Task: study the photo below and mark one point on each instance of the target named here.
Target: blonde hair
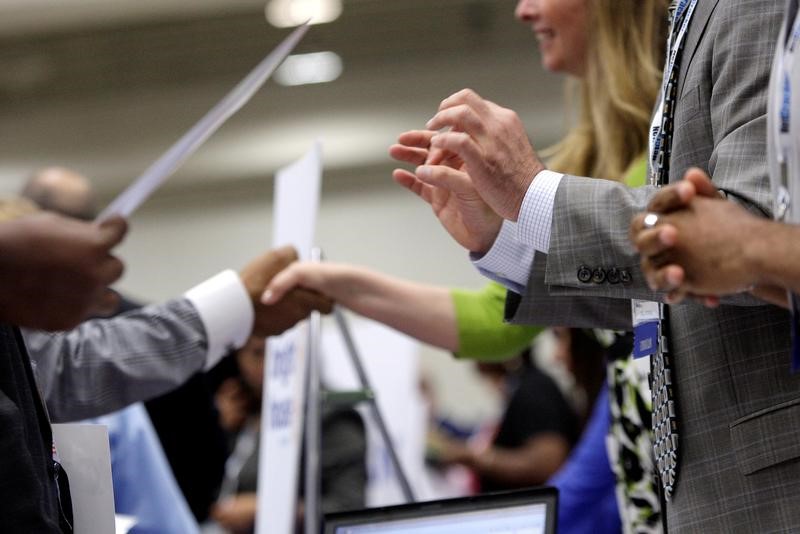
(626, 44)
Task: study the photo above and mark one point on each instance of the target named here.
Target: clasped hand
(699, 246)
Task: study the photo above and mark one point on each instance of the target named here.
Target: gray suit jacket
(739, 407)
(106, 364)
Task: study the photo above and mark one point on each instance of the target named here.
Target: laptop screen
(519, 512)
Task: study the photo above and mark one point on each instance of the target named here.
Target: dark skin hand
(702, 246)
(55, 271)
(276, 318)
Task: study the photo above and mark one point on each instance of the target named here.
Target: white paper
(84, 453)
(645, 311)
(124, 523)
(297, 190)
(130, 199)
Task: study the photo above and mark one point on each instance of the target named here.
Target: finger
(637, 225)
(282, 283)
(465, 97)
(701, 182)
(414, 156)
(105, 304)
(304, 301)
(461, 144)
(410, 181)
(462, 118)
(416, 138)
(316, 301)
(110, 270)
(772, 294)
(437, 156)
(669, 277)
(112, 231)
(676, 296)
(446, 178)
(672, 197)
(653, 241)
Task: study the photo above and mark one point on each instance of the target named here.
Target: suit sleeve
(106, 364)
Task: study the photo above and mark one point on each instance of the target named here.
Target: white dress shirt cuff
(536, 213)
(508, 261)
(226, 312)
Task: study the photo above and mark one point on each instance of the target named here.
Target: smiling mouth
(543, 35)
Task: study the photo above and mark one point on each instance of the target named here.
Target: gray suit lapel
(697, 28)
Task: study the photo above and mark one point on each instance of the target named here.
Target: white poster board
(83, 451)
(391, 361)
(297, 189)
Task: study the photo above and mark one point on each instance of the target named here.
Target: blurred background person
(343, 441)
(531, 440)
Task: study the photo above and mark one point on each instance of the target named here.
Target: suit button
(584, 274)
(613, 275)
(625, 276)
(599, 276)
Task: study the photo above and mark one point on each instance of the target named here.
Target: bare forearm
(532, 464)
(422, 311)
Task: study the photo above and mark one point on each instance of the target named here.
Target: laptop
(529, 511)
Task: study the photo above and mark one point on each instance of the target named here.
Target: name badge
(646, 317)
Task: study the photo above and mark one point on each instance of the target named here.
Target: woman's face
(560, 27)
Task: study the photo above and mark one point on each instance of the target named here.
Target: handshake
(55, 272)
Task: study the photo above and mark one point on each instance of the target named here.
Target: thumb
(280, 284)
(113, 230)
(672, 197)
(446, 178)
(701, 181)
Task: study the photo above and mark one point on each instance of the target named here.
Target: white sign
(297, 189)
(83, 450)
(391, 362)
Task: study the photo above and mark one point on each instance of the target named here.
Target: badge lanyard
(683, 16)
(648, 316)
(782, 107)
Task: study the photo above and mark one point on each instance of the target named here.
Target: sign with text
(297, 189)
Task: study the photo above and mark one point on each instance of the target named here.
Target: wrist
(760, 246)
(489, 237)
(521, 190)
